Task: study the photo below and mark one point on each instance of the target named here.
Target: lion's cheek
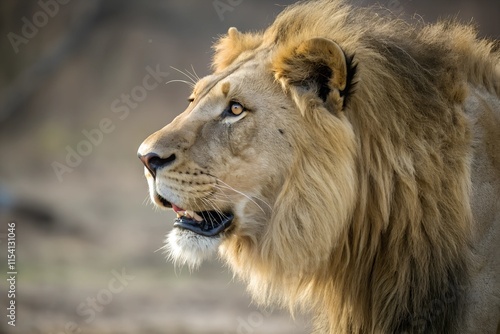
(242, 137)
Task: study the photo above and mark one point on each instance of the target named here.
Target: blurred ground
(87, 244)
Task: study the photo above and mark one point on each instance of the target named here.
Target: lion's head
(327, 160)
(245, 162)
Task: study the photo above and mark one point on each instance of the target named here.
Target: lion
(346, 163)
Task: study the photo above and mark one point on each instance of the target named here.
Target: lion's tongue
(176, 208)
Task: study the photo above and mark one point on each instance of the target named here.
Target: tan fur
(372, 205)
(232, 46)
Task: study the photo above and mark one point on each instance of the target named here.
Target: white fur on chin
(186, 247)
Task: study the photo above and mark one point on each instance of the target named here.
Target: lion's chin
(188, 248)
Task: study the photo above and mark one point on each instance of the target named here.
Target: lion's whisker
(183, 81)
(254, 196)
(197, 77)
(222, 200)
(147, 200)
(219, 212)
(189, 76)
(209, 212)
(217, 209)
(244, 195)
(227, 186)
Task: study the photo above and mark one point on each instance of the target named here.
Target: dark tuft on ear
(322, 77)
(350, 80)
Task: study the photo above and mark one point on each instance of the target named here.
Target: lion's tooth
(189, 214)
(178, 215)
(197, 217)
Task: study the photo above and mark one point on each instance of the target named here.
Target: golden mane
(382, 228)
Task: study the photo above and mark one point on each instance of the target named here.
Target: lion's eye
(236, 109)
(233, 113)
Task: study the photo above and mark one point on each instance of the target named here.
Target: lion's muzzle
(209, 223)
(153, 162)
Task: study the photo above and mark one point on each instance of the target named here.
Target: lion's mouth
(205, 223)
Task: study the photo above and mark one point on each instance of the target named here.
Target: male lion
(346, 163)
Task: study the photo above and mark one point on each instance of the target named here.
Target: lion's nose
(153, 161)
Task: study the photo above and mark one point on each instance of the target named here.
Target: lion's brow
(226, 86)
(232, 68)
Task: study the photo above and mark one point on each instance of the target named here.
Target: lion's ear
(318, 66)
(230, 46)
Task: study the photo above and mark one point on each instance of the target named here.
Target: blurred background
(74, 107)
